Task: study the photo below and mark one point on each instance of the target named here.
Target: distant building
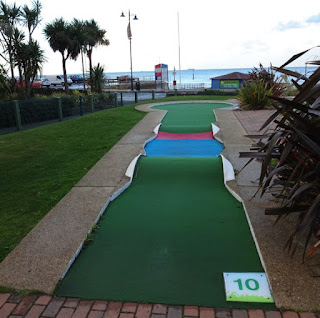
(229, 81)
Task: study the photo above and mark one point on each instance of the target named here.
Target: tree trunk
(89, 53)
(66, 86)
(20, 76)
(28, 87)
(13, 81)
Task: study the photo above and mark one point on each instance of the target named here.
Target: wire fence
(23, 114)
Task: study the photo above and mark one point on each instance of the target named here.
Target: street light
(130, 37)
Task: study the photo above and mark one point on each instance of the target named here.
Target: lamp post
(130, 37)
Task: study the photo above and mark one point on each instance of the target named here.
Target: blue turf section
(184, 148)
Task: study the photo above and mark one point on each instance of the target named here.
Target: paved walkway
(14, 306)
(32, 306)
(252, 120)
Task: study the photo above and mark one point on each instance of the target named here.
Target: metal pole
(60, 114)
(17, 115)
(130, 50)
(92, 103)
(80, 105)
(131, 65)
(115, 100)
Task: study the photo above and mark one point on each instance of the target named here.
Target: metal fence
(130, 97)
(22, 114)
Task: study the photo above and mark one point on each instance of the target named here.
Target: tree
(79, 40)
(18, 38)
(31, 16)
(4, 84)
(58, 35)
(9, 16)
(95, 36)
(32, 58)
(32, 55)
(98, 78)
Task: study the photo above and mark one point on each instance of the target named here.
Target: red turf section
(185, 136)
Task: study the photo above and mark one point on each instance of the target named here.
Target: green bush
(273, 82)
(254, 95)
(290, 156)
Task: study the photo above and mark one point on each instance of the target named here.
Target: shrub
(276, 84)
(254, 95)
(98, 78)
(291, 160)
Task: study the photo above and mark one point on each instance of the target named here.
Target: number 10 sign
(247, 287)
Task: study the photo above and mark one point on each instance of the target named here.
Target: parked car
(55, 80)
(35, 84)
(77, 78)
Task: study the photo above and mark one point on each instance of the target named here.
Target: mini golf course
(170, 236)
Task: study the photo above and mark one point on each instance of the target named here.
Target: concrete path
(42, 257)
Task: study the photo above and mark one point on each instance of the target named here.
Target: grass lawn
(39, 166)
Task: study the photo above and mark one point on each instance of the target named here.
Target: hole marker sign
(247, 287)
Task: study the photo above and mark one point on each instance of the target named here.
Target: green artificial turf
(167, 239)
(189, 117)
(39, 166)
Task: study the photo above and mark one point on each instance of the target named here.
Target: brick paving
(46, 306)
(252, 120)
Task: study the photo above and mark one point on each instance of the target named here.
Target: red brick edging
(32, 306)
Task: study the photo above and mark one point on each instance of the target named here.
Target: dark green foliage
(262, 83)
(254, 95)
(291, 160)
(98, 78)
(269, 78)
(5, 89)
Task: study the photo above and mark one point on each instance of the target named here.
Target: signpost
(161, 76)
(247, 287)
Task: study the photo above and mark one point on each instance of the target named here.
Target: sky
(213, 34)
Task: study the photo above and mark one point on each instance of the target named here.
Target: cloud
(289, 25)
(297, 24)
(314, 19)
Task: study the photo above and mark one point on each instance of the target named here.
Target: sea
(196, 78)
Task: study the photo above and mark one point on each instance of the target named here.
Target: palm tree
(32, 58)
(79, 39)
(31, 16)
(9, 16)
(95, 36)
(18, 38)
(98, 78)
(58, 35)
